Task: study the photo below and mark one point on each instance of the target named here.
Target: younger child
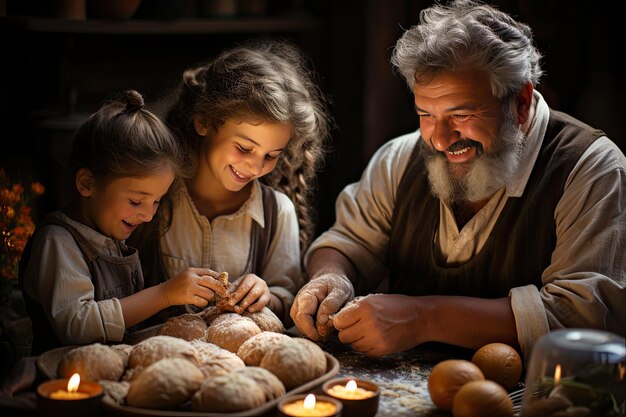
(254, 124)
(81, 283)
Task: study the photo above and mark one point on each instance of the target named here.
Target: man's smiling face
(474, 143)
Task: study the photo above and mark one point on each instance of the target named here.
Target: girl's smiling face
(116, 209)
(240, 152)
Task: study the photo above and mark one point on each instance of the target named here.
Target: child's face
(240, 152)
(126, 202)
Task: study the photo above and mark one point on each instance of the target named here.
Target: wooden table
(402, 378)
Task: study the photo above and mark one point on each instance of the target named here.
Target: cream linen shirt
(58, 277)
(224, 243)
(584, 286)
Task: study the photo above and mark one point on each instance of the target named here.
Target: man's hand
(318, 299)
(379, 324)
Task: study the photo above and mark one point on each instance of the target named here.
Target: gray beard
(482, 177)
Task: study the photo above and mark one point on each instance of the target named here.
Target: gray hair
(469, 34)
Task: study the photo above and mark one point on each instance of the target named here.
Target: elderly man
(498, 220)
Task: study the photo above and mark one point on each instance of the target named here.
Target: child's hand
(195, 286)
(252, 293)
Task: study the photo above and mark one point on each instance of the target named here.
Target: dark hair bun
(133, 99)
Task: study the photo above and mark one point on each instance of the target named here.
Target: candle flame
(74, 382)
(557, 374)
(351, 385)
(309, 402)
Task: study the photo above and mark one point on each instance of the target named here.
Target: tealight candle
(69, 397)
(72, 392)
(360, 398)
(309, 406)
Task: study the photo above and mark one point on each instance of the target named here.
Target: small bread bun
(230, 330)
(271, 385)
(228, 393)
(255, 348)
(187, 327)
(165, 384)
(266, 320)
(155, 348)
(215, 360)
(92, 362)
(296, 362)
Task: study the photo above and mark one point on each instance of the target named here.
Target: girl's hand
(195, 286)
(252, 293)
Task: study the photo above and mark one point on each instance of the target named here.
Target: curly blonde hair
(267, 80)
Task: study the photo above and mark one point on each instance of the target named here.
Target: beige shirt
(584, 286)
(58, 277)
(223, 244)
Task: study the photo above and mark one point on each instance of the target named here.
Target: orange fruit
(500, 363)
(447, 377)
(481, 399)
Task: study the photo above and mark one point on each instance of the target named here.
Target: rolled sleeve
(530, 316)
(585, 284)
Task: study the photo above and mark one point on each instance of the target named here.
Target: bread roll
(214, 361)
(123, 350)
(271, 385)
(115, 391)
(296, 362)
(155, 348)
(266, 320)
(255, 348)
(230, 330)
(92, 362)
(186, 326)
(209, 314)
(228, 393)
(165, 384)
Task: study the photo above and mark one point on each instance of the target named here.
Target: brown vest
(112, 277)
(520, 245)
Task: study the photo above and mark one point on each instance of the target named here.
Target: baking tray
(48, 361)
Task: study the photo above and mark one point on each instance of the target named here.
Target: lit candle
(69, 398)
(360, 398)
(557, 374)
(72, 392)
(350, 391)
(309, 406)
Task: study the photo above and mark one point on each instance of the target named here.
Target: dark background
(54, 72)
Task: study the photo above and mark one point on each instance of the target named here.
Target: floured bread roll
(230, 330)
(214, 360)
(209, 314)
(131, 373)
(271, 385)
(228, 393)
(266, 320)
(296, 362)
(92, 362)
(186, 326)
(165, 384)
(254, 349)
(124, 351)
(115, 391)
(155, 348)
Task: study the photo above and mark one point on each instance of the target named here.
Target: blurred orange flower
(16, 224)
